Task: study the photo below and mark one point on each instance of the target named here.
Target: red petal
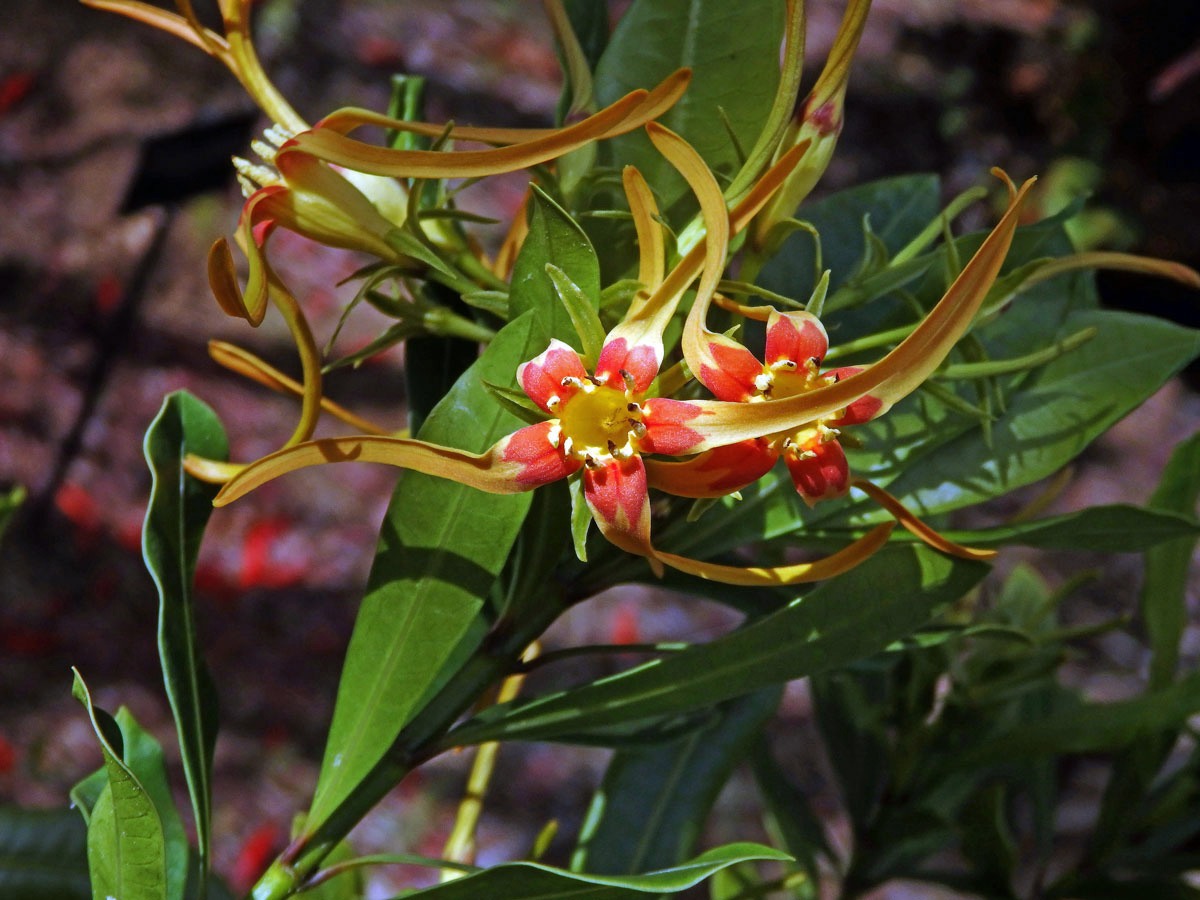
(541, 378)
(732, 378)
(822, 476)
(714, 473)
(798, 336)
(540, 460)
(665, 431)
(616, 493)
(864, 409)
(641, 361)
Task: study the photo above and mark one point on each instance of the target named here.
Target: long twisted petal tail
(651, 247)
(631, 111)
(1107, 259)
(722, 364)
(238, 359)
(893, 377)
(915, 526)
(643, 325)
(170, 22)
(654, 104)
(797, 573)
(519, 462)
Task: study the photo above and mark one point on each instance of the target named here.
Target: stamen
(278, 135)
(827, 434)
(638, 429)
(553, 400)
(625, 452)
(763, 382)
(260, 175)
(786, 365)
(807, 454)
(554, 435)
(248, 187)
(630, 384)
(634, 407)
(566, 446)
(264, 150)
(812, 364)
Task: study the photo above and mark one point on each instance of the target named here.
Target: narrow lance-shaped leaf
(842, 620)
(1163, 592)
(176, 515)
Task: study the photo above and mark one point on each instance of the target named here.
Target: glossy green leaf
(1163, 592)
(650, 810)
(733, 51)
(1060, 409)
(126, 849)
(844, 619)
(43, 855)
(441, 547)
(526, 881)
(582, 310)
(554, 238)
(898, 209)
(177, 513)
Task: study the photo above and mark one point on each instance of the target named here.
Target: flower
(795, 347)
(603, 423)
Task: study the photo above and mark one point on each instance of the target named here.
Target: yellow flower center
(791, 381)
(600, 422)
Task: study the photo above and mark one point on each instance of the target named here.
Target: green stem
(994, 367)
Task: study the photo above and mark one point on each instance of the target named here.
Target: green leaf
(1060, 409)
(524, 881)
(651, 808)
(126, 849)
(144, 757)
(1117, 528)
(9, 503)
(554, 238)
(898, 209)
(43, 855)
(441, 547)
(844, 619)
(1163, 593)
(733, 51)
(177, 513)
(1092, 727)
(582, 310)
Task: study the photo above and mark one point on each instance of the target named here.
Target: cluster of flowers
(611, 414)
